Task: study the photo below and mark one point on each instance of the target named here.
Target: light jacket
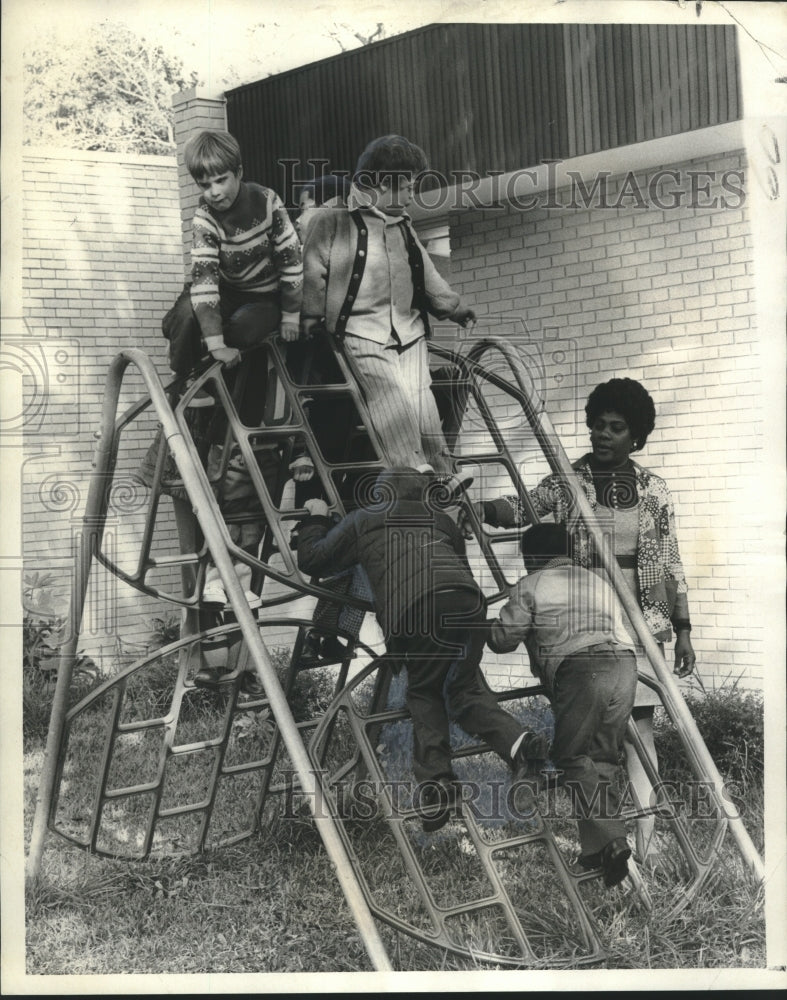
(556, 611)
(334, 260)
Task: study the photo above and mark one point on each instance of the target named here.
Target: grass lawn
(272, 904)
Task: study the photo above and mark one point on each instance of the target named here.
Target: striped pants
(397, 386)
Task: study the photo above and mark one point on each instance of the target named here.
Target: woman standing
(635, 510)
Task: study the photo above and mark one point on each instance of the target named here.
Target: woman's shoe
(310, 650)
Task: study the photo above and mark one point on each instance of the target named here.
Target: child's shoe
(436, 803)
(614, 861)
(588, 861)
(213, 593)
(251, 685)
(210, 677)
(302, 468)
(530, 757)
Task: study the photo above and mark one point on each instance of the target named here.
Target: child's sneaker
(253, 600)
(213, 593)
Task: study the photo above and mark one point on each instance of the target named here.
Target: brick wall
(665, 296)
(101, 265)
(193, 112)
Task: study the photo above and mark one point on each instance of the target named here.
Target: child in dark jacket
(571, 623)
(432, 614)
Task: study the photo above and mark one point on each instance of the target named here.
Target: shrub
(312, 690)
(43, 631)
(165, 630)
(730, 721)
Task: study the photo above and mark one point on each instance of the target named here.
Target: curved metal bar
(701, 761)
(439, 934)
(218, 542)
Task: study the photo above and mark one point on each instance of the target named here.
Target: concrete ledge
(97, 156)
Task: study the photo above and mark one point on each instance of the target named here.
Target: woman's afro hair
(628, 398)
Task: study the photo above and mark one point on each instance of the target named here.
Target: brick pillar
(195, 109)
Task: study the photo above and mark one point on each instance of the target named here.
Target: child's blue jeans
(593, 693)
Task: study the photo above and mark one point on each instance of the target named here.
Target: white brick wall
(101, 265)
(666, 297)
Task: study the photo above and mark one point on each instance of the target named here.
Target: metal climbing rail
(497, 907)
(219, 544)
(667, 688)
(497, 924)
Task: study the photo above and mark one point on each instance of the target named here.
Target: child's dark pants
(592, 697)
(247, 321)
(446, 653)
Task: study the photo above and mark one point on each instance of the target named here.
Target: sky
(230, 42)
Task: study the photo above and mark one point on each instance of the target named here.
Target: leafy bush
(165, 630)
(43, 635)
(730, 721)
(312, 690)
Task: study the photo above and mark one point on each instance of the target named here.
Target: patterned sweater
(662, 582)
(252, 248)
